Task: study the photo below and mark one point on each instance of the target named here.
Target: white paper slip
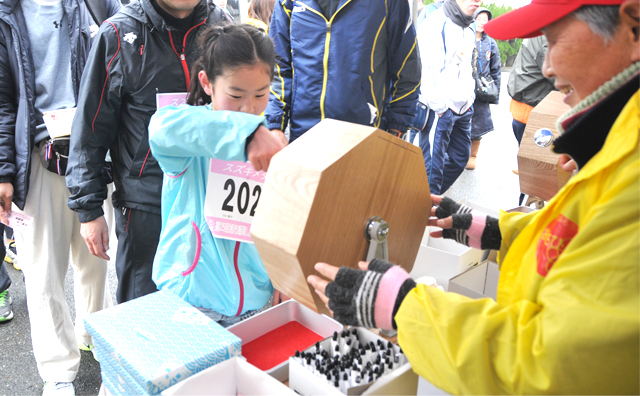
(19, 221)
(58, 122)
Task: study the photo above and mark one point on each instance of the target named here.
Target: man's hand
(280, 135)
(567, 164)
(6, 197)
(96, 236)
(262, 147)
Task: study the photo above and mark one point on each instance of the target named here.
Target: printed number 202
(243, 197)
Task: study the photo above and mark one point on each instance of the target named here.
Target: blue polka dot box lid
(158, 340)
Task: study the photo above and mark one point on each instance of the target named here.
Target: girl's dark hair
(262, 10)
(227, 47)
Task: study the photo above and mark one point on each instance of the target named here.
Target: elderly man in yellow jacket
(567, 315)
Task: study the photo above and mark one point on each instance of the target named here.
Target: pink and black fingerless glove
(470, 227)
(353, 295)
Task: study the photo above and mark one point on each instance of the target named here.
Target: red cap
(526, 22)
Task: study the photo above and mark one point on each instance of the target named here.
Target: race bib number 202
(233, 193)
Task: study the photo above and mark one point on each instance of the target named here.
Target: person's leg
(518, 130)
(440, 146)
(5, 281)
(424, 141)
(459, 149)
(45, 256)
(138, 235)
(91, 287)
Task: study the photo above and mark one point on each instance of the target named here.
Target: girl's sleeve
(177, 134)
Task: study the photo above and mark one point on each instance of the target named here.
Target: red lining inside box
(276, 346)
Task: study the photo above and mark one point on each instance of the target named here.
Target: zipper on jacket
(235, 263)
(183, 58)
(325, 59)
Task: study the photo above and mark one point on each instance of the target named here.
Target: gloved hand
(467, 226)
(368, 298)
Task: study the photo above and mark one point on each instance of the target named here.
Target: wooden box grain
(319, 194)
(540, 175)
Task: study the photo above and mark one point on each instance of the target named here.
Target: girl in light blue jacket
(230, 89)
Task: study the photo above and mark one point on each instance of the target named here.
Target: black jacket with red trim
(134, 58)
(18, 85)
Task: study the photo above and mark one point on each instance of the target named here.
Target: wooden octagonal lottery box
(540, 176)
(320, 193)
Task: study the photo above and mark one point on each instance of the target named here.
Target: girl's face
(244, 89)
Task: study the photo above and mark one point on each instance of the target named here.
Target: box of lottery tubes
(352, 362)
(270, 337)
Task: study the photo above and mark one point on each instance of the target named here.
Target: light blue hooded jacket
(227, 277)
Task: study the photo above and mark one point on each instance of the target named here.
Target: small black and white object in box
(352, 362)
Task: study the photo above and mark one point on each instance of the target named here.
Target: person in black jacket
(43, 51)
(487, 65)
(146, 50)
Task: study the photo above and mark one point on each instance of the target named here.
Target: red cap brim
(526, 22)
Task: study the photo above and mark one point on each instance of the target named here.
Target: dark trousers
(518, 130)
(5, 280)
(424, 138)
(138, 234)
(451, 150)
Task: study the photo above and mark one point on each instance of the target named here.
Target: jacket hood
(482, 9)
(143, 11)
(7, 6)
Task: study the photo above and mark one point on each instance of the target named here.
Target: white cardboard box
(264, 322)
(232, 377)
(477, 282)
(400, 381)
(443, 258)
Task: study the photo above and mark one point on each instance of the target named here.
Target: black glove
(353, 294)
(470, 227)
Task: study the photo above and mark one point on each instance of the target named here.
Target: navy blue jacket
(361, 65)
(17, 85)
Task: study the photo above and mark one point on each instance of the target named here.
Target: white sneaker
(58, 389)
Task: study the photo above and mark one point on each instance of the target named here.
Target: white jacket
(447, 80)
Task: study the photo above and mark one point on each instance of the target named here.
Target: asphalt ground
(492, 185)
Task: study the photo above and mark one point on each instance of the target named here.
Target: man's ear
(630, 22)
(204, 82)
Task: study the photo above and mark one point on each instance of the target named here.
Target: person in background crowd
(488, 64)
(527, 84)
(446, 47)
(145, 50)
(225, 279)
(424, 115)
(567, 317)
(6, 313)
(11, 252)
(356, 62)
(43, 49)
(260, 12)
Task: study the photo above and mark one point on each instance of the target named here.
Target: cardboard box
(401, 381)
(153, 342)
(427, 388)
(273, 318)
(443, 258)
(477, 282)
(232, 377)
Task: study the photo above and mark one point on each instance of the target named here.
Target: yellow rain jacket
(566, 320)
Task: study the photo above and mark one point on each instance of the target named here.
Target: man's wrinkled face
(580, 60)
(469, 7)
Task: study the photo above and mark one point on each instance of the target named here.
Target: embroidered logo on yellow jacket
(567, 320)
